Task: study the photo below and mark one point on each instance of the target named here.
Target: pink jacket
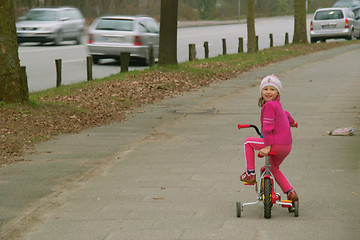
(275, 124)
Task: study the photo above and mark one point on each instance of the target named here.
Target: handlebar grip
(270, 154)
(243, 126)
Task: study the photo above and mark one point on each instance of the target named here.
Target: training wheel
(296, 206)
(238, 209)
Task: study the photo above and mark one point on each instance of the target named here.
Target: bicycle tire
(267, 198)
(296, 211)
(238, 209)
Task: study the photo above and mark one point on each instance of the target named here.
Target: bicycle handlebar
(296, 125)
(248, 126)
(243, 126)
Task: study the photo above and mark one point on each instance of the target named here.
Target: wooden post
(151, 56)
(192, 52)
(124, 61)
(271, 40)
(89, 68)
(257, 44)
(224, 46)
(58, 72)
(286, 38)
(241, 45)
(206, 49)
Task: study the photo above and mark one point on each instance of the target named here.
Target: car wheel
(95, 59)
(352, 35)
(145, 61)
(313, 40)
(59, 38)
(79, 38)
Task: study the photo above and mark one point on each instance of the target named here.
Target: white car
(347, 3)
(357, 24)
(332, 23)
(109, 36)
(55, 24)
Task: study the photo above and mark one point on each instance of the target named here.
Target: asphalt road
(40, 59)
(171, 171)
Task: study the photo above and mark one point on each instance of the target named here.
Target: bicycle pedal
(247, 183)
(286, 201)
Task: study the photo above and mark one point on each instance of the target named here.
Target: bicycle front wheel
(267, 198)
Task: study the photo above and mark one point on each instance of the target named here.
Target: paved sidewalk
(171, 171)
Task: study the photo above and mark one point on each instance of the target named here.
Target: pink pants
(253, 143)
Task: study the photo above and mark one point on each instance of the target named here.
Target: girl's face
(269, 93)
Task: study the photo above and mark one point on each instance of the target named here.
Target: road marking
(44, 49)
(73, 60)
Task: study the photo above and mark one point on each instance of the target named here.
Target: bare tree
(251, 44)
(13, 85)
(300, 35)
(168, 32)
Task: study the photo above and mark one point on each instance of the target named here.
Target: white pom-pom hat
(271, 80)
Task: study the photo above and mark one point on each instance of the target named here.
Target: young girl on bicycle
(276, 136)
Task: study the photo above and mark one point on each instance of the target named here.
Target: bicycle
(266, 188)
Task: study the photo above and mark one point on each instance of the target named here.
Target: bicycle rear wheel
(267, 198)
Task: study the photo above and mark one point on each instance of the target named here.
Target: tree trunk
(251, 45)
(300, 35)
(13, 87)
(168, 32)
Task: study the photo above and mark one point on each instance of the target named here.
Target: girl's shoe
(294, 198)
(249, 178)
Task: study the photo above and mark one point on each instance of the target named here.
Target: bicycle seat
(270, 154)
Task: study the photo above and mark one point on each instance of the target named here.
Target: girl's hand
(265, 151)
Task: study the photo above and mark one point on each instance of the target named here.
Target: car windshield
(115, 24)
(41, 15)
(329, 14)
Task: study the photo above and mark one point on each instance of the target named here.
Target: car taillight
(346, 23)
(137, 41)
(311, 26)
(90, 38)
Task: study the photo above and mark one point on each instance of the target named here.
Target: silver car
(357, 23)
(347, 3)
(109, 36)
(51, 25)
(332, 23)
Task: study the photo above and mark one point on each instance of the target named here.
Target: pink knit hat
(271, 80)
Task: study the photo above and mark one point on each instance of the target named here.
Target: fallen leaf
(158, 198)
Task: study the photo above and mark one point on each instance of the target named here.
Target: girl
(276, 136)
